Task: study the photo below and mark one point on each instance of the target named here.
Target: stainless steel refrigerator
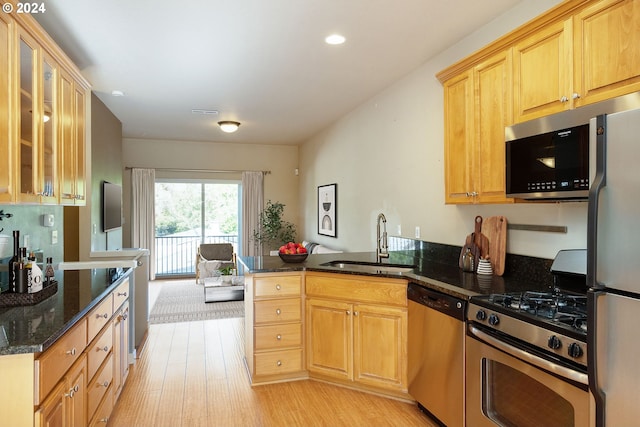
(613, 269)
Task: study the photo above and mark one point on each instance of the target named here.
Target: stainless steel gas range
(527, 354)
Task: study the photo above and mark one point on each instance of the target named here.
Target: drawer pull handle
(278, 337)
(72, 352)
(70, 394)
(277, 287)
(279, 363)
(355, 313)
(278, 311)
(105, 316)
(105, 348)
(104, 420)
(105, 384)
(348, 312)
(121, 294)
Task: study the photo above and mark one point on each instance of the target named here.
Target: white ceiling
(263, 63)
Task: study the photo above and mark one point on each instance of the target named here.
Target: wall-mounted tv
(111, 206)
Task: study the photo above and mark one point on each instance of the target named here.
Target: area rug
(183, 301)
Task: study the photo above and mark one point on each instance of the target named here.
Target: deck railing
(176, 255)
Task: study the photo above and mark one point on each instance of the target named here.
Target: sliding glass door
(189, 213)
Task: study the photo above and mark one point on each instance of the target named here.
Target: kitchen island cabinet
(356, 331)
(273, 327)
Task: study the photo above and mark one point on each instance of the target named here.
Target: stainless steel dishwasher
(436, 354)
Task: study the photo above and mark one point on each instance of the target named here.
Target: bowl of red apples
(293, 252)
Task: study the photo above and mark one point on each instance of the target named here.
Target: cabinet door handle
(105, 349)
(279, 363)
(278, 287)
(564, 99)
(355, 313)
(575, 95)
(70, 393)
(105, 384)
(105, 316)
(278, 311)
(348, 312)
(104, 420)
(121, 294)
(72, 352)
(278, 337)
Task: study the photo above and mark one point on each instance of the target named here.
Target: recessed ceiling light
(117, 93)
(335, 39)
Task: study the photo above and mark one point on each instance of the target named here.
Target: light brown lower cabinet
(66, 404)
(356, 331)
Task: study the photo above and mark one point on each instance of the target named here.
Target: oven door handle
(568, 373)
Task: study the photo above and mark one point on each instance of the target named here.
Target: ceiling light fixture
(334, 39)
(117, 93)
(229, 126)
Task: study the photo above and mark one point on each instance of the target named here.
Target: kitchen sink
(370, 267)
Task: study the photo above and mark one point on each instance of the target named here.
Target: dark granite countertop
(446, 278)
(34, 328)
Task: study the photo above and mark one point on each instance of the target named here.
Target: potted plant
(227, 274)
(273, 231)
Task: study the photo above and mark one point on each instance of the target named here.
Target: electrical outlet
(54, 237)
(399, 230)
(417, 232)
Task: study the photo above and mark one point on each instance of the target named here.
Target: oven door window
(507, 397)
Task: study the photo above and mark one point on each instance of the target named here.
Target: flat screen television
(111, 206)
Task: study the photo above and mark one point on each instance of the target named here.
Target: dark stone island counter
(439, 276)
(34, 328)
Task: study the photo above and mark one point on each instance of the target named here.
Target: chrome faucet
(382, 249)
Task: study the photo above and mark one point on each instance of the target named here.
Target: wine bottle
(14, 261)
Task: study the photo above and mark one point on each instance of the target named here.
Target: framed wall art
(327, 210)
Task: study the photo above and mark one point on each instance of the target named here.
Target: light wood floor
(192, 374)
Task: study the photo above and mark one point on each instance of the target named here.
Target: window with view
(190, 213)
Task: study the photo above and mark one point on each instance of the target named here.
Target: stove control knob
(481, 315)
(494, 319)
(554, 342)
(574, 350)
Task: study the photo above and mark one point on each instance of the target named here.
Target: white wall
(282, 160)
(387, 156)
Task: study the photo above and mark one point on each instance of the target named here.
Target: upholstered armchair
(212, 257)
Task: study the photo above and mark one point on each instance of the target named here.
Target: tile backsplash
(29, 221)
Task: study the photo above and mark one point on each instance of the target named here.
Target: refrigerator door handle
(592, 360)
(599, 181)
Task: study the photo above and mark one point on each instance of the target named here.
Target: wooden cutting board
(495, 228)
(480, 239)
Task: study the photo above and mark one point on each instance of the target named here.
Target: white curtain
(252, 204)
(143, 215)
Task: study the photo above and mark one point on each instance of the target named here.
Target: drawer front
(120, 295)
(278, 336)
(277, 286)
(98, 350)
(99, 316)
(357, 289)
(284, 310)
(99, 386)
(278, 362)
(53, 364)
(101, 417)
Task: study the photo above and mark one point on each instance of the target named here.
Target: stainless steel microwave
(549, 165)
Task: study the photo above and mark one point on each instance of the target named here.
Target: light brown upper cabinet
(589, 57)
(42, 100)
(606, 50)
(542, 69)
(577, 53)
(477, 108)
(7, 164)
